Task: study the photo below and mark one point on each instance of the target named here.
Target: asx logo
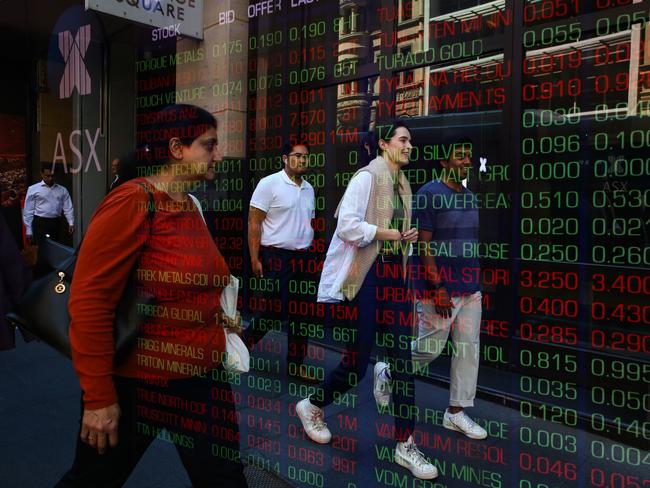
(73, 50)
(74, 53)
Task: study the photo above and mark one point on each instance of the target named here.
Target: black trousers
(41, 226)
(44, 225)
(381, 316)
(197, 415)
(286, 283)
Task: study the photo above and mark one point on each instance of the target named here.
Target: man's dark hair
(454, 141)
(287, 147)
(448, 142)
(47, 165)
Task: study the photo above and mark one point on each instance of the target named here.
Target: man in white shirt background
(115, 167)
(279, 236)
(44, 203)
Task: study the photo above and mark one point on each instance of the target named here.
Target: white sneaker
(462, 423)
(313, 421)
(409, 456)
(381, 384)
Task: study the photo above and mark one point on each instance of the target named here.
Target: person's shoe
(461, 422)
(381, 384)
(409, 456)
(302, 373)
(313, 421)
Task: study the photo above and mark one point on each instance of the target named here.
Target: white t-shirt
(289, 209)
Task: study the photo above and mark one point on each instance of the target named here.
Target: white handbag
(237, 357)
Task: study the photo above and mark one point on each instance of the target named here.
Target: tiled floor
(39, 407)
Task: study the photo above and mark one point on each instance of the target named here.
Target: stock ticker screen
(554, 96)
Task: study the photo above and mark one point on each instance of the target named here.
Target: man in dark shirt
(447, 218)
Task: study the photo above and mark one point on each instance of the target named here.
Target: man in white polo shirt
(279, 236)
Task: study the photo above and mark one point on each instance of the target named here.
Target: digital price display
(553, 99)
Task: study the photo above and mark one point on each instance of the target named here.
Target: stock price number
(545, 360)
(547, 199)
(606, 479)
(549, 413)
(548, 440)
(548, 36)
(631, 313)
(550, 10)
(549, 334)
(628, 371)
(619, 227)
(629, 400)
(268, 425)
(547, 467)
(632, 198)
(306, 329)
(636, 428)
(548, 90)
(548, 388)
(558, 253)
(626, 284)
(553, 307)
(551, 117)
(554, 280)
(632, 255)
(622, 168)
(616, 340)
(267, 385)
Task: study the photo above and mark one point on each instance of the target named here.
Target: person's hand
(99, 427)
(71, 229)
(232, 325)
(443, 303)
(395, 235)
(256, 266)
(30, 239)
(410, 235)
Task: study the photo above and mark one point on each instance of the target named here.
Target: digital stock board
(553, 99)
